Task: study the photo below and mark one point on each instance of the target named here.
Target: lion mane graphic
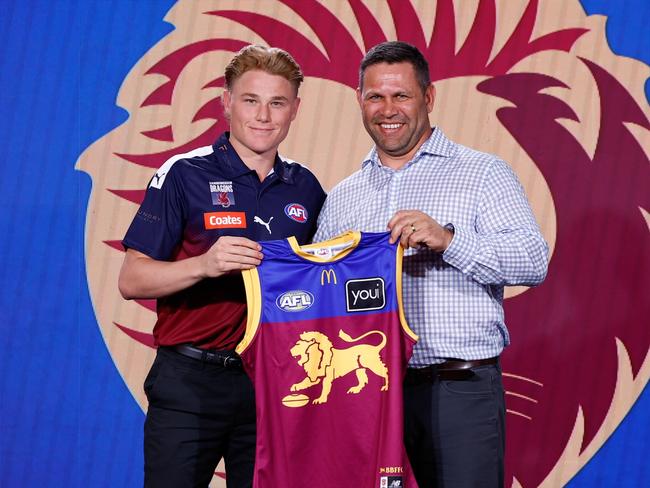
(533, 81)
(323, 363)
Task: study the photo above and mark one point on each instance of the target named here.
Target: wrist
(198, 267)
(449, 235)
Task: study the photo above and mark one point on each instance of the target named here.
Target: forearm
(143, 277)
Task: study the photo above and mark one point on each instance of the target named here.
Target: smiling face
(395, 111)
(260, 107)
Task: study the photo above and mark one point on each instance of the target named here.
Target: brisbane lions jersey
(326, 346)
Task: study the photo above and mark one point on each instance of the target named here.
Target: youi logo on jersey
(365, 294)
(296, 212)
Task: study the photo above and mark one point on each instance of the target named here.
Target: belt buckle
(209, 356)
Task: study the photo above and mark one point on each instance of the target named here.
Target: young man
(469, 231)
(195, 231)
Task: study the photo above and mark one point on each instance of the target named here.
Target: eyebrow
(254, 95)
(370, 93)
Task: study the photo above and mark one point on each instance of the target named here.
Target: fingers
(409, 238)
(413, 228)
(238, 241)
(404, 225)
(238, 261)
(230, 254)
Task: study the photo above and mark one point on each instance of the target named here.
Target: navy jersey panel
(195, 199)
(172, 221)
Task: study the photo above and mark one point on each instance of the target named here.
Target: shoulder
(494, 175)
(474, 157)
(481, 164)
(178, 165)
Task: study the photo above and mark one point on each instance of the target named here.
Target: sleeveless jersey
(326, 346)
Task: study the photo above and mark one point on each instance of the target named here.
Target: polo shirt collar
(284, 170)
(436, 145)
(233, 166)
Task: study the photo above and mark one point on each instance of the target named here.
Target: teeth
(391, 126)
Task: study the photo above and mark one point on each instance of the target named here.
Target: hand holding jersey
(414, 229)
(230, 254)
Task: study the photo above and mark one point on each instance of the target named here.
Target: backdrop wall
(81, 84)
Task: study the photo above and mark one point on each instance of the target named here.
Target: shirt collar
(233, 166)
(436, 145)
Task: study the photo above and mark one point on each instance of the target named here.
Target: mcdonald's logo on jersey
(329, 275)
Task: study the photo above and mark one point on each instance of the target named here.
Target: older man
(469, 231)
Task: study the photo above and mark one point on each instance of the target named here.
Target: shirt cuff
(461, 250)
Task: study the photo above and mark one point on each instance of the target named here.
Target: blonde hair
(272, 60)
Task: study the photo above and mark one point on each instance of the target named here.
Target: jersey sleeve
(157, 227)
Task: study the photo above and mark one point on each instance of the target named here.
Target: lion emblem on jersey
(323, 363)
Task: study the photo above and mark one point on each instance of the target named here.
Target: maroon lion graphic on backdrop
(579, 356)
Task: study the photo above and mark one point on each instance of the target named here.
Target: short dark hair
(392, 52)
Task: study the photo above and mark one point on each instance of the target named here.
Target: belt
(227, 359)
(451, 369)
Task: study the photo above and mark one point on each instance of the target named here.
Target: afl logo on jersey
(295, 301)
(296, 212)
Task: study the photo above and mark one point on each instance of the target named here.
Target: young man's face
(395, 110)
(261, 107)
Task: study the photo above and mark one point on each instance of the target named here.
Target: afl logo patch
(296, 212)
(295, 301)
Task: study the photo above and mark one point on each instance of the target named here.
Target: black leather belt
(451, 369)
(227, 359)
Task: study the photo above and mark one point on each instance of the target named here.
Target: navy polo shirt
(191, 201)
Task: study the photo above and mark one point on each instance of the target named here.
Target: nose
(264, 113)
(388, 108)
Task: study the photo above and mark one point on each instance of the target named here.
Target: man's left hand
(414, 229)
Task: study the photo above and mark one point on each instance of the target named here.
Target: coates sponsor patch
(225, 220)
(222, 193)
(296, 212)
(295, 301)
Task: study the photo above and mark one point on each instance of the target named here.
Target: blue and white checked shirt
(453, 300)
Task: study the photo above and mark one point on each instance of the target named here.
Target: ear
(430, 97)
(359, 96)
(226, 100)
(294, 108)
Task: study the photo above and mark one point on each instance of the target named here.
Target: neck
(394, 162)
(261, 163)
(397, 161)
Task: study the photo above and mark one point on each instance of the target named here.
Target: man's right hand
(230, 254)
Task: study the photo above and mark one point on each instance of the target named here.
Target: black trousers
(454, 430)
(198, 413)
